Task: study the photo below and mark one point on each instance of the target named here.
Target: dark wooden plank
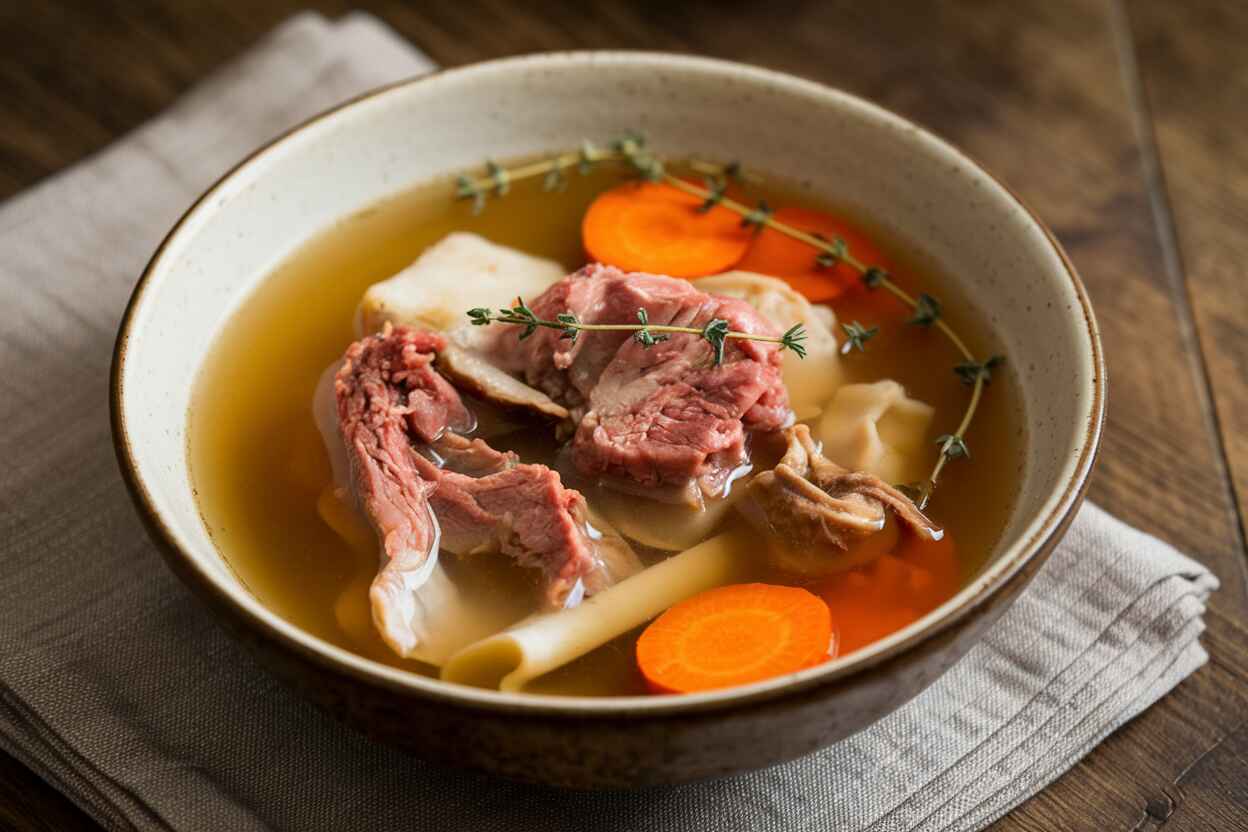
(1195, 79)
(1036, 91)
(1194, 88)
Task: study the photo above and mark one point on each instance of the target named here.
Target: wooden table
(1122, 123)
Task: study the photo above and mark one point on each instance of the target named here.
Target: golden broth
(259, 466)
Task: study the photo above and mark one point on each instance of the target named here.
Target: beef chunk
(662, 420)
(387, 394)
(525, 512)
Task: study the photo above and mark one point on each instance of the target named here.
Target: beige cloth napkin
(117, 686)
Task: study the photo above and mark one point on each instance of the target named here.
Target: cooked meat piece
(380, 389)
(819, 512)
(525, 512)
(663, 418)
(810, 380)
(473, 457)
(409, 469)
(388, 393)
(670, 425)
(390, 377)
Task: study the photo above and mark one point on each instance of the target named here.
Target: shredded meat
(411, 469)
(387, 393)
(817, 510)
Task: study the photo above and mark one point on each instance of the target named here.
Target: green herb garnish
(715, 332)
(631, 149)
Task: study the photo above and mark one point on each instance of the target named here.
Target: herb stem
(560, 162)
(834, 251)
(691, 330)
(825, 246)
(883, 282)
(960, 433)
(564, 161)
(715, 332)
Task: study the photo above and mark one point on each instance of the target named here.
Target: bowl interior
(1001, 259)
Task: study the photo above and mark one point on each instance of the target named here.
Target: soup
(268, 494)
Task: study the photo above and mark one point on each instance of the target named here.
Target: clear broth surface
(259, 466)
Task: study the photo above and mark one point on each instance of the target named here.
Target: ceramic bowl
(346, 160)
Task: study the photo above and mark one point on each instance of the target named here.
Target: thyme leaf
(570, 325)
(794, 339)
(555, 179)
(873, 277)
(857, 336)
(644, 336)
(758, 218)
(715, 189)
(926, 311)
(972, 371)
(498, 175)
(466, 188)
(952, 446)
(832, 257)
(716, 332)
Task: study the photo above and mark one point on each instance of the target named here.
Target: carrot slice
(733, 635)
(780, 255)
(654, 227)
(870, 602)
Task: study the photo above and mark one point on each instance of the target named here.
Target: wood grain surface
(1121, 123)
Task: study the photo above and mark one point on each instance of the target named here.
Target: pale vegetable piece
(812, 380)
(540, 644)
(669, 527)
(877, 428)
(460, 272)
(470, 370)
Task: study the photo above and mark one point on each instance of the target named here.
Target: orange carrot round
(656, 228)
(733, 635)
(870, 602)
(780, 255)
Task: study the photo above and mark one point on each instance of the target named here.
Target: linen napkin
(116, 686)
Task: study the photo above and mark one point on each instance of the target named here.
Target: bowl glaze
(385, 142)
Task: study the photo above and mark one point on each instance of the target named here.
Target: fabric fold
(118, 688)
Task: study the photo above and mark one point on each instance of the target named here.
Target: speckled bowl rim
(1040, 535)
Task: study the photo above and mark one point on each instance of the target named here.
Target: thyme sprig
(632, 149)
(715, 332)
(554, 169)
